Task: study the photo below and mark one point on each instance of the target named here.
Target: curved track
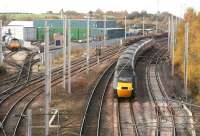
(91, 120)
(20, 100)
(164, 114)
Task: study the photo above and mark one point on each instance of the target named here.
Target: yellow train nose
(124, 89)
(15, 45)
(124, 93)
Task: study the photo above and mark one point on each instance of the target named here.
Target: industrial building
(34, 30)
(138, 28)
(23, 30)
(79, 29)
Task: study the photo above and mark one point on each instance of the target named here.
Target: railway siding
(25, 99)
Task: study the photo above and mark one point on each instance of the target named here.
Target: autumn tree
(193, 18)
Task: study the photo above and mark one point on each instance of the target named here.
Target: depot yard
(93, 76)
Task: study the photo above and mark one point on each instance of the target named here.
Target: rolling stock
(12, 43)
(125, 80)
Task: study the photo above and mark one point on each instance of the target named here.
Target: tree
(99, 12)
(49, 12)
(194, 48)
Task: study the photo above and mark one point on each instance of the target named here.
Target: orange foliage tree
(193, 18)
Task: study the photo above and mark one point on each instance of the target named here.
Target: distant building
(79, 29)
(137, 28)
(21, 23)
(81, 23)
(23, 30)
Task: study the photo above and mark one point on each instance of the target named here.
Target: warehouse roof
(21, 23)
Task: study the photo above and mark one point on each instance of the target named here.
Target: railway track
(166, 124)
(21, 100)
(172, 118)
(182, 125)
(126, 123)
(91, 120)
(10, 61)
(54, 71)
(11, 77)
(78, 64)
(21, 80)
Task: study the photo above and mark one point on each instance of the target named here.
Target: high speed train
(124, 77)
(125, 80)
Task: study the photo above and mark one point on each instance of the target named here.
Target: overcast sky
(40, 6)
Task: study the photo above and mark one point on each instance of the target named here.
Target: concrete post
(186, 59)
(104, 37)
(125, 27)
(69, 56)
(47, 80)
(64, 52)
(1, 44)
(88, 43)
(172, 43)
(29, 122)
(143, 25)
(169, 35)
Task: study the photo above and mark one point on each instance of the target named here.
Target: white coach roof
(21, 23)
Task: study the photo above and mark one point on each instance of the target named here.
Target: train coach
(124, 82)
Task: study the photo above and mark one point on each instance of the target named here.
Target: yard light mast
(125, 21)
(1, 44)
(143, 25)
(186, 59)
(104, 35)
(157, 16)
(172, 43)
(69, 56)
(88, 43)
(64, 51)
(47, 80)
(169, 35)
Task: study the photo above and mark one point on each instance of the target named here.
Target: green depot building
(79, 29)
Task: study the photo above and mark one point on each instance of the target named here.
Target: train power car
(124, 82)
(124, 77)
(12, 43)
